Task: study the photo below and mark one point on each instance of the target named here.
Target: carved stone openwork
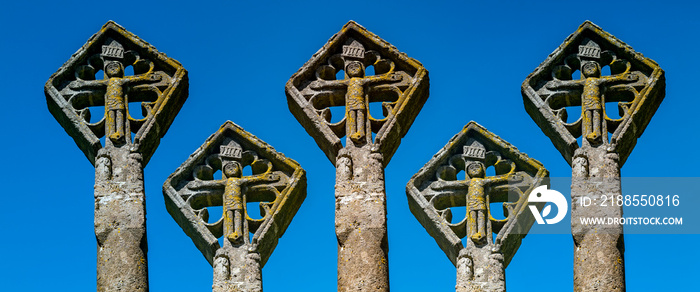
(115, 68)
(213, 176)
(340, 75)
(592, 68)
(456, 177)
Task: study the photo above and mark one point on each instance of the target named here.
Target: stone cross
(490, 243)
(277, 184)
(400, 83)
(159, 84)
(635, 84)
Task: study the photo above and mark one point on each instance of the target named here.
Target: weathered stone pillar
(159, 83)
(120, 221)
(489, 244)
(277, 183)
(360, 221)
(636, 84)
(400, 84)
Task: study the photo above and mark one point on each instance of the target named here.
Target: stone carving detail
(455, 177)
(634, 84)
(398, 82)
(113, 69)
(213, 176)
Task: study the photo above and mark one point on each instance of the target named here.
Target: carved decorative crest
(453, 178)
(400, 83)
(634, 84)
(213, 176)
(100, 75)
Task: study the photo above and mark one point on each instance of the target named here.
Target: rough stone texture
(277, 183)
(400, 83)
(159, 83)
(482, 260)
(637, 85)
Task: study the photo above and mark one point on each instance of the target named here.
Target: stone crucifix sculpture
(400, 83)
(276, 182)
(490, 243)
(635, 85)
(159, 84)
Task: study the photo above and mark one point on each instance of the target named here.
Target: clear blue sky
(239, 57)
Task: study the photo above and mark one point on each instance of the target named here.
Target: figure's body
(115, 103)
(476, 185)
(233, 185)
(355, 97)
(591, 97)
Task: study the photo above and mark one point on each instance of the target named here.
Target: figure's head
(114, 69)
(475, 169)
(355, 69)
(590, 69)
(232, 169)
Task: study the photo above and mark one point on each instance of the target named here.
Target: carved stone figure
(401, 85)
(491, 244)
(277, 183)
(159, 83)
(636, 84)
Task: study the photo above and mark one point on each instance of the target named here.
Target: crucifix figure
(592, 83)
(115, 84)
(477, 186)
(234, 188)
(356, 85)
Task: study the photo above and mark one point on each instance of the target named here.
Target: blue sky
(239, 56)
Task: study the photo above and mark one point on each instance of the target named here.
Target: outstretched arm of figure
(329, 84)
(88, 84)
(206, 184)
(269, 177)
(501, 178)
(620, 78)
(450, 185)
(565, 84)
(143, 78)
(384, 78)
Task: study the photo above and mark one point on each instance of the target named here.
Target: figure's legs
(480, 232)
(592, 125)
(118, 126)
(472, 221)
(359, 126)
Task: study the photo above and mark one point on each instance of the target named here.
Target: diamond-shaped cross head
(590, 69)
(265, 199)
(115, 68)
(457, 176)
(354, 71)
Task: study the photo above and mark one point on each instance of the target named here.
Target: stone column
(360, 221)
(480, 269)
(598, 249)
(120, 221)
(237, 269)
(400, 84)
(117, 144)
(635, 85)
(479, 246)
